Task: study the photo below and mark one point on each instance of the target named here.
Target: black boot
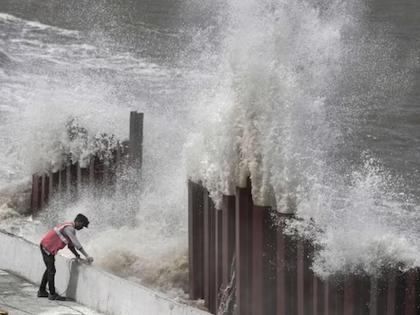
(56, 297)
(42, 293)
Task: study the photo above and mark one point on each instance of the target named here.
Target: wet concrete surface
(19, 297)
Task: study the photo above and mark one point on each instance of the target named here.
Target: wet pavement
(18, 297)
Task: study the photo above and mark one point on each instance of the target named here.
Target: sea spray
(287, 92)
(299, 87)
(60, 79)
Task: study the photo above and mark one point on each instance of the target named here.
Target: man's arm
(71, 234)
(74, 251)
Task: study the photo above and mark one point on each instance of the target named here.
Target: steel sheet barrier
(35, 193)
(196, 240)
(209, 253)
(273, 274)
(257, 261)
(243, 250)
(218, 256)
(72, 177)
(228, 238)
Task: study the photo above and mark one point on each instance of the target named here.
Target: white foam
(272, 101)
(55, 81)
(296, 79)
(8, 17)
(36, 25)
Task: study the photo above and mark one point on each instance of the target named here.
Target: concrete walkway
(18, 297)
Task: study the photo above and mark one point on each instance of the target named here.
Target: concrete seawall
(88, 285)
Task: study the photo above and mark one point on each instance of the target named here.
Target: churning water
(50, 74)
(316, 100)
(317, 103)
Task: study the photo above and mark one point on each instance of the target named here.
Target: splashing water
(299, 95)
(227, 294)
(53, 75)
(304, 87)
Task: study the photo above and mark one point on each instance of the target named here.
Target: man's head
(80, 222)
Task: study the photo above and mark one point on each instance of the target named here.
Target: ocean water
(50, 73)
(317, 101)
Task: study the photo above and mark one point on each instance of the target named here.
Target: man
(56, 239)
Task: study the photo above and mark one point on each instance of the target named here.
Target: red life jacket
(55, 240)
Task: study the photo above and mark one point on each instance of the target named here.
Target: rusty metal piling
(243, 249)
(136, 139)
(196, 240)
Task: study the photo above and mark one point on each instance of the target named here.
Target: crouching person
(56, 239)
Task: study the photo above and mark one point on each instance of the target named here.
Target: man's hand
(89, 260)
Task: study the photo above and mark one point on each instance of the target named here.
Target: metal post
(118, 154)
(257, 264)
(336, 296)
(269, 262)
(98, 171)
(308, 278)
(136, 139)
(391, 294)
(300, 279)
(228, 213)
(218, 256)
(349, 296)
(46, 189)
(373, 301)
(281, 271)
(85, 175)
(318, 296)
(106, 173)
(263, 262)
(327, 298)
(68, 178)
(315, 297)
(305, 278)
(74, 177)
(286, 271)
(209, 252)
(113, 164)
(35, 194)
(43, 191)
(61, 181)
(206, 237)
(55, 182)
(50, 186)
(92, 171)
(410, 292)
(79, 177)
(195, 240)
(243, 249)
(378, 296)
(363, 295)
(212, 257)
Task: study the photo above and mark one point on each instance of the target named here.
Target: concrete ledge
(88, 285)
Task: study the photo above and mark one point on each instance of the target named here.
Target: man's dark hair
(82, 219)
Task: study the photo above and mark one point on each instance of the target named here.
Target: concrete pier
(88, 285)
(18, 297)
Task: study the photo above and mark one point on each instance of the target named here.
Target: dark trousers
(49, 273)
